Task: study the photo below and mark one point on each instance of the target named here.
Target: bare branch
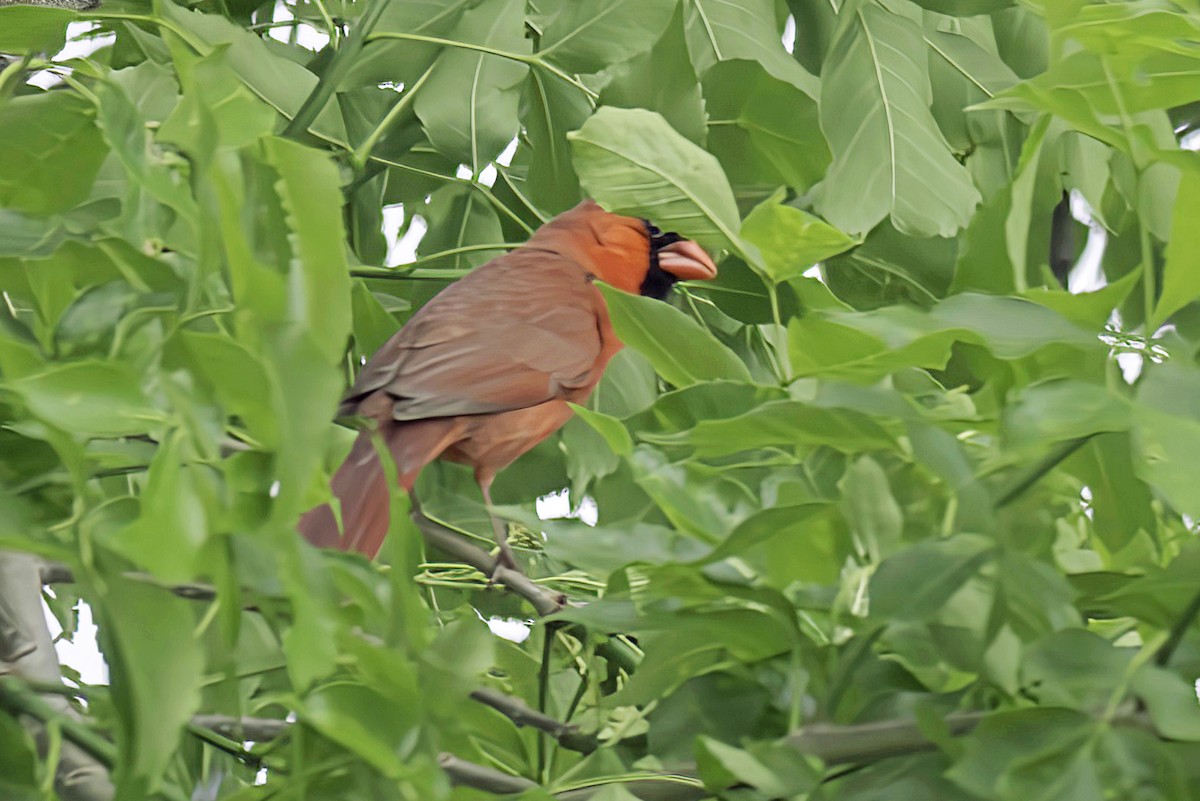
(520, 713)
(545, 601)
(29, 654)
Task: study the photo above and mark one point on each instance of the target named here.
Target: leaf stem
(363, 152)
(339, 65)
(524, 58)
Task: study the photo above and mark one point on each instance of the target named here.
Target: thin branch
(566, 734)
(872, 742)
(1035, 473)
(256, 729)
(545, 601)
(57, 573)
(1185, 621)
(343, 59)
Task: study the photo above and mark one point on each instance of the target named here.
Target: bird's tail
(361, 487)
(361, 484)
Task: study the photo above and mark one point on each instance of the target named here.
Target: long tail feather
(360, 485)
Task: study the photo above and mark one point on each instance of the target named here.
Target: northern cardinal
(483, 372)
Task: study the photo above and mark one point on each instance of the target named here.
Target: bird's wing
(520, 331)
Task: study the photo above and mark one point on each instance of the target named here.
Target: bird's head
(630, 254)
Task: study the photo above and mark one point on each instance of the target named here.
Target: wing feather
(515, 333)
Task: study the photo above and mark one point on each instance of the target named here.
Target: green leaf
(1121, 502)
(1171, 702)
(781, 423)
(791, 240)
(319, 281)
(460, 216)
(375, 728)
(889, 158)
(723, 765)
(674, 91)
(870, 508)
(632, 162)
(171, 501)
(1181, 279)
(33, 29)
(50, 152)
(589, 35)
(613, 431)
(551, 108)
(278, 80)
(468, 106)
(916, 583)
(1166, 434)
(156, 667)
(680, 350)
(1056, 411)
(764, 130)
(1030, 754)
(718, 31)
(965, 8)
(91, 398)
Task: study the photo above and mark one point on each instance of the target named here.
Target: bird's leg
(499, 530)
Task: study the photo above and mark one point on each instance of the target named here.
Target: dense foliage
(921, 487)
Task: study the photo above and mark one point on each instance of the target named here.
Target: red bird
(483, 372)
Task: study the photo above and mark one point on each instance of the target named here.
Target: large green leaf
(780, 423)
(319, 279)
(278, 80)
(30, 28)
(91, 398)
(662, 80)
(632, 162)
(1181, 279)
(791, 240)
(889, 158)
(50, 152)
(549, 109)
(764, 130)
(589, 35)
(468, 106)
(718, 31)
(681, 351)
(149, 645)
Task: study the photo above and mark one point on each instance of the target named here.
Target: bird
(486, 369)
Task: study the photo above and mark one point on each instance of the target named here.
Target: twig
(876, 741)
(19, 700)
(1186, 618)
(490, 780)
(57, 573)
(1035, 473)
(566, 734)
(257, 729)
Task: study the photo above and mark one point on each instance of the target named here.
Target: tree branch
(490, 780)
(257, 729)
(28, 653)
(516, 710)
(545, 601)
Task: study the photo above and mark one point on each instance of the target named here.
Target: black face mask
(658, 282)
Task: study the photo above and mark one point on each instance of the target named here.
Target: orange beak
(687, 261)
